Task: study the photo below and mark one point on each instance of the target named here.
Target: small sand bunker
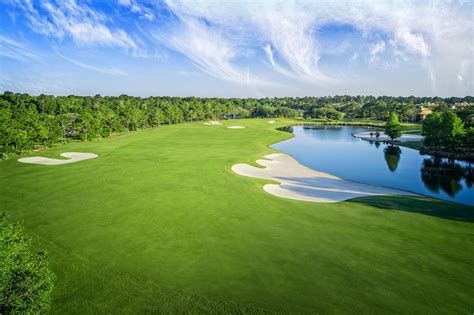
(73, 157)
(383, 136)
(212, 123)
(302, 183)
(236, 127)
(272, 121)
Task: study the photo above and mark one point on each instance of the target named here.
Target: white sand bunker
(73, 157)
(236, 127)
(302, 183)
(272, 121)
(383, 136)
(212, 123)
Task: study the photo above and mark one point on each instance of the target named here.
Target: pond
(333, 149)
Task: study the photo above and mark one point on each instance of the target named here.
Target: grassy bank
(159, 223)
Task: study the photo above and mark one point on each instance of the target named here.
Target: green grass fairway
(159, 223)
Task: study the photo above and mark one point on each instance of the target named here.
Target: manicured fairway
(159, 222)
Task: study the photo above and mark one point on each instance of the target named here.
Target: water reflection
(336, 151)
(446, 175)
(392, 156)
(286, 129)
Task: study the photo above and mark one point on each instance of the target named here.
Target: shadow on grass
(428, 206)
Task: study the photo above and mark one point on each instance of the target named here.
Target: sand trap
(212, 123)
(236, 127)
(302, 183)
(383, 136)
(73, 158)
(272, 121)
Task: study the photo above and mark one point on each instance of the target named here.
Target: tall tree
(452, 129)
(431, 130)
(393, 127)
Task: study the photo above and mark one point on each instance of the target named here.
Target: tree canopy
(29, 121)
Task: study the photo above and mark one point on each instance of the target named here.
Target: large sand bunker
(405, 137)
(212, 123)
(272, 121)
(236, 127)
(73, 157)
(302, 183)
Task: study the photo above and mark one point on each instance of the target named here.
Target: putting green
(160, 223)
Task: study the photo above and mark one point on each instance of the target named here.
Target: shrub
(26, 280)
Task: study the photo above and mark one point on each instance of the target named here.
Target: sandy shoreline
(405, 137)
(302, 183)
(73, 157)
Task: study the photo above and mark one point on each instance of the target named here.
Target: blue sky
(237, 48)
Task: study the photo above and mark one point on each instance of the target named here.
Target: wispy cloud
(16, 50)
(143, 11)
(209, 50)
(288, 32)
(82, 23)
(110, 71)
(316, 46)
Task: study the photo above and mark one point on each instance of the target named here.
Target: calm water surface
(334, 150)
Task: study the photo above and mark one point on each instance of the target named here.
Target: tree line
(29, 121)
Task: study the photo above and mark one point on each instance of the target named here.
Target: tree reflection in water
(392, 156)
(446, 175)
(286, 129)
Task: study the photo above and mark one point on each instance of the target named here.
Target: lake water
(334, 150)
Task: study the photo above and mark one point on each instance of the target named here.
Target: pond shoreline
(463, 155)
(381, 163)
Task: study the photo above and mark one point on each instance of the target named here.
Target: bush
(26, 280)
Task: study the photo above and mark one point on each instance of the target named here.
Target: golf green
(159, 223)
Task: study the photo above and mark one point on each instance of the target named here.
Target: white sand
(73, 157)
(272, 121)
(236, 127)
(302, 183)
(212, 123)
(383, 136)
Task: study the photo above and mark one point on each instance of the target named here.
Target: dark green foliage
(325, 112)
(468, 139)
(452, 129)
(431, 131)
(26, 280)
(393, 128)
(446, 131)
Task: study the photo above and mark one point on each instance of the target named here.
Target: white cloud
(414, 43)
(437, 34)
(209, 50)
(83, 24)
(134, 6)
(376, 50)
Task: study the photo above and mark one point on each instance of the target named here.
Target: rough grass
(159, 223)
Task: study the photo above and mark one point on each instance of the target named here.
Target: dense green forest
(29, 121)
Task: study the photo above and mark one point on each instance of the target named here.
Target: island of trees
(29, 121)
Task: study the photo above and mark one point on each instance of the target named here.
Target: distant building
(461, 105)
(423, 112)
